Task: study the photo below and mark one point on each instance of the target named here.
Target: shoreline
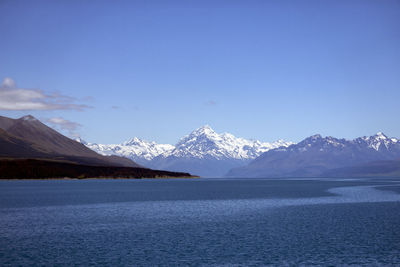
(98, 178)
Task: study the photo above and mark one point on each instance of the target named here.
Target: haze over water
(200, 222)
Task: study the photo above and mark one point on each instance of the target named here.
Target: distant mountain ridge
(203, 152)
(318, 156)
(140, 151)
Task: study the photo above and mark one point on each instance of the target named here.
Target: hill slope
(27, 137)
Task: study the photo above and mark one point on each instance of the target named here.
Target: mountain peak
(133, 141)
(205, 127)
(28, 118)
(204, 130)
(314, 137)
(380, 135)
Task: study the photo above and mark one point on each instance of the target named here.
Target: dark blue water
(200, 222)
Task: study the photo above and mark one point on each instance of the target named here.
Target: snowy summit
(203, 144)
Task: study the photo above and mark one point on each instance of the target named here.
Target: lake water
(201, 222)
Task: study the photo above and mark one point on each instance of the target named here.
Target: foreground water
(200, 222)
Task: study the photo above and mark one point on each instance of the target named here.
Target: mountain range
(209, 154)
(318, 156)
(203, 152)
(30, 149)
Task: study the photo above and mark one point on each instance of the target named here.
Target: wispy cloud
(14, 98)
(210, 103)
(62, 124)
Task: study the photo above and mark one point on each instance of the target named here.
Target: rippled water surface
(200, 222)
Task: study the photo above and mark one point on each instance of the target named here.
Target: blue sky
(159, 69)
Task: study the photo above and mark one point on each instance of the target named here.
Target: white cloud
(14, 98)
(8, 83)
(62, 124)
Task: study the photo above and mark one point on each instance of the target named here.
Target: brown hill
(27, 137)
(11, 146)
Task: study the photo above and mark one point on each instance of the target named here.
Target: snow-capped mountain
(317, 156)
(378, 145)
(204, 142)
(203, 152)
(379, 142)
(141, 151)
(209, 154)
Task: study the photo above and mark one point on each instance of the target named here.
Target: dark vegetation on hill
(44, 169)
